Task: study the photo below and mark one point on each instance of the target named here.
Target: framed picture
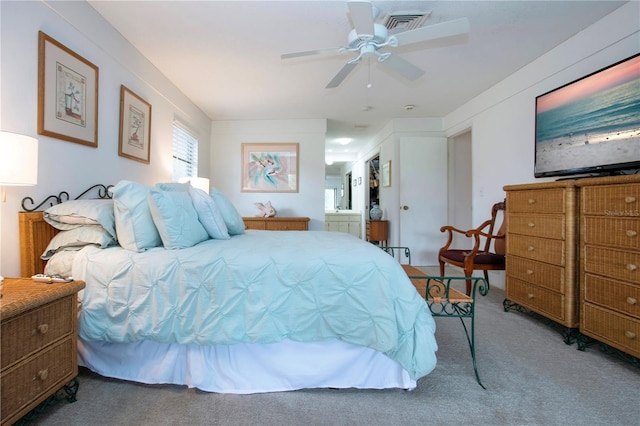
(386, 173)
(135, 126)
(269, 167)
(67, 93)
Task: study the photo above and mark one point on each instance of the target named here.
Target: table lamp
(18, 165)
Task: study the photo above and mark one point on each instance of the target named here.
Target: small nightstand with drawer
(38, 344)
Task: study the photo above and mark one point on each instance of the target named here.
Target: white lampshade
(18, 159)
(197, 182)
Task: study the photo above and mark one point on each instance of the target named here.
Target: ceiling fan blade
(433, 32)
(362, 16)
(403, 67)
(342, 74)
(328, 51)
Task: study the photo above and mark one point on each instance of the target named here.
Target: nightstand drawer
(617, 330)
(538, 299)
(23, 384)
(35, 329)
(542, 274)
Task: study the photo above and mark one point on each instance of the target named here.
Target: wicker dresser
(277, 223)
(38, 343)
(541, 270)
(610, 262)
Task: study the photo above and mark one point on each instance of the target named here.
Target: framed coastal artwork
(269, 167)
(67, 93)
(135, 127)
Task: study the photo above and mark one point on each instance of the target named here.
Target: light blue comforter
(260, 287)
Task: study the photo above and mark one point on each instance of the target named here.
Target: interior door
(423, 197)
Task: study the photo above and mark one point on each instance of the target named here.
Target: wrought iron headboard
(101, 191)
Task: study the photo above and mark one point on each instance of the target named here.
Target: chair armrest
(450, 231)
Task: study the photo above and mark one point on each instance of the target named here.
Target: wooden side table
(39, 344)
(378, 231)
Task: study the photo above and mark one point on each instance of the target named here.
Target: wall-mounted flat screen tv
(591, 126)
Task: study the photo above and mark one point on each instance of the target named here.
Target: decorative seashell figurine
(266, 210)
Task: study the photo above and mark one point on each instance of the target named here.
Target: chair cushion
(480, 259)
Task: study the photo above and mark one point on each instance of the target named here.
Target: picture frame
(135, 127)
(386, 173)
(67, 93)
(269, 167)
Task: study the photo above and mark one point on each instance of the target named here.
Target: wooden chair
(479, 257)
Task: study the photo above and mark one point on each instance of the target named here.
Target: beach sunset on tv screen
(592, 124)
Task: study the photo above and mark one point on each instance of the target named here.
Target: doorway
(374, 182)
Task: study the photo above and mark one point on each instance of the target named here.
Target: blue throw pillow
(233, 220)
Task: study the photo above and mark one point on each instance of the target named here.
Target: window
(185, 152)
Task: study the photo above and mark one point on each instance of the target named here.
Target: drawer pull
(43, 374)
(631, 267)
(630, 199)
(631, 233)
(530, 295)
(531, 225)
(632, 300)
(630, 334)
(531, 201)
(43, 328)
(529, 272)
(531, 248)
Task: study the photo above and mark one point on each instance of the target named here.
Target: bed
(256, 311)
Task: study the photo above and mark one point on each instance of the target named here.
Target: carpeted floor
(532, 378)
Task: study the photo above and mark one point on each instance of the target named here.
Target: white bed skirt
(246, 368)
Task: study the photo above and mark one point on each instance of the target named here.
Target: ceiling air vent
(405, 21)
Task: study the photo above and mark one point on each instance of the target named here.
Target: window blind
(185, 152)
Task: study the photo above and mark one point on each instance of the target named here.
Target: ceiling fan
(368, 38)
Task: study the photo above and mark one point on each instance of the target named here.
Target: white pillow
(78, 238)
(61, 263)
(75, 213)
(233, 220)
(134, 225)
(176, 219)
(209, 214)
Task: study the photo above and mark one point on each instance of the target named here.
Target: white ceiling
(225, 56)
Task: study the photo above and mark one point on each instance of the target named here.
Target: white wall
(69, 166)
(226, 140)
(502, 118)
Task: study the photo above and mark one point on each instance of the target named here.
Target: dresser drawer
(23, 384)
(537, 225)
(544, 250)
(286, 226)
(612, 200)
(617, 330)
(536, 201)
(612, 263)
(608, 231)
(545, 302)
(612, 294)
(35, 329)
(541, 274)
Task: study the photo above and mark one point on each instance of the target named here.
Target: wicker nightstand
(38, 352)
